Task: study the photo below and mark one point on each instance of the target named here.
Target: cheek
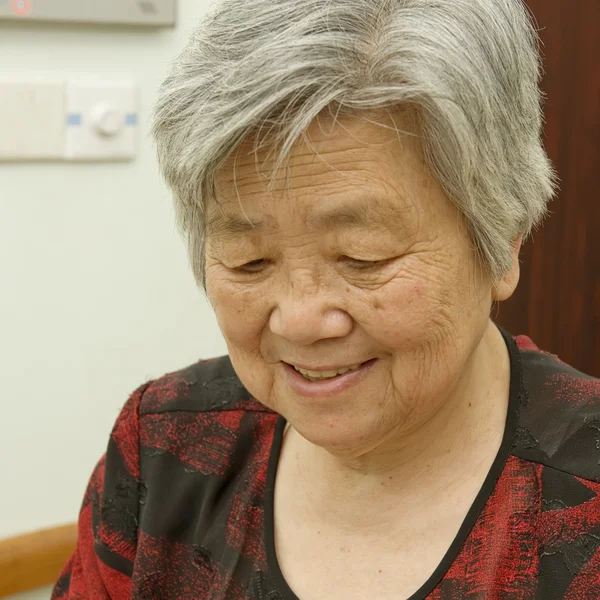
(242, 316)
(241, 311)
(396, 314)
(428, 325)
(420, 316)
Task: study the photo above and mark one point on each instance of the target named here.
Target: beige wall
(97, 296)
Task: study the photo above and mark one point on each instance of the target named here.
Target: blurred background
(97, 296)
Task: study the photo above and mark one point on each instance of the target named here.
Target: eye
(362, 265)
(255, 266)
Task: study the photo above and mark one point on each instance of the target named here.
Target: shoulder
(201, 419)
(196, 432)
(559, 414)
(205, 386)
(205, 439)
(200, 415)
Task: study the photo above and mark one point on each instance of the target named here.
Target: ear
(504, 288)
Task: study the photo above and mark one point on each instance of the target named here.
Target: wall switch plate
(153, 13)
(101, 120)
(32, 120)
(68, 120)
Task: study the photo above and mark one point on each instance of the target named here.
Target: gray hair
(472, 67)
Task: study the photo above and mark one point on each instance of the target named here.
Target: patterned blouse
(180, 507)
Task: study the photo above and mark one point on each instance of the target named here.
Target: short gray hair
(472, 67)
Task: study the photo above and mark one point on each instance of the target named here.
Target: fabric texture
(181, 504)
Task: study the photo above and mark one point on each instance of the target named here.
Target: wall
(557, 301)
(97, 296)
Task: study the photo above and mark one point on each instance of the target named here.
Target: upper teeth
(316, 375)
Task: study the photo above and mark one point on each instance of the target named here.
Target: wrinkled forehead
(367, 213)
(330, 144)
(357, 196)
(348, 171)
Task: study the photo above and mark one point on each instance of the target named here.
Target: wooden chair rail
(35, 559)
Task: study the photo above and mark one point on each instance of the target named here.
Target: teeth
(320, 375)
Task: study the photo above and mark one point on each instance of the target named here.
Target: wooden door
(557, 302)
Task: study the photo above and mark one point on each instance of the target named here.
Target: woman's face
(360, 263)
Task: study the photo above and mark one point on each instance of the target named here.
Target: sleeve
(101, 566)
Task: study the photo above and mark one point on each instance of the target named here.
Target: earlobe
(505, 288)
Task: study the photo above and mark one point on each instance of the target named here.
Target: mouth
(326, 382)
(325, 375)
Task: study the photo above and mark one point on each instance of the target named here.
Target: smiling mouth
(324, 375)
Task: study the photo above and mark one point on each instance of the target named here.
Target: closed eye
(254, 266)
(363, 265)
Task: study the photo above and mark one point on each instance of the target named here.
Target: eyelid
(248, 267)
(257, 266)
(364, 264)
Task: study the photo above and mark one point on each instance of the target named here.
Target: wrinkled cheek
(396, 317)
(240, 315)
(241, 320)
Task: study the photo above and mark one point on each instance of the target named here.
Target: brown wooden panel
(36, 559)
(558, 299)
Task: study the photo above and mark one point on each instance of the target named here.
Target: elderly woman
(372, 433)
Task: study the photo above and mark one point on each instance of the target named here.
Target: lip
(327, 388)
(322, 368)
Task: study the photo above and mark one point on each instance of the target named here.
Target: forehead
(353, 172)
(343, 145)
(370, 212)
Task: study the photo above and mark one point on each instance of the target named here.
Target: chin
(337, 432)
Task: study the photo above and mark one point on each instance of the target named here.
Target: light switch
(32, 120)
(101, 121)
(68, 120)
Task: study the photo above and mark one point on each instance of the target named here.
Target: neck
(456, 445)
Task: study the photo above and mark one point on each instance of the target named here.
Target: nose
(307, 317)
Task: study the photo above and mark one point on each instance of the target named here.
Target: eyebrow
(358, 215)
(223, 225)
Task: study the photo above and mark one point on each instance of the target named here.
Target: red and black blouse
(181, 505)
